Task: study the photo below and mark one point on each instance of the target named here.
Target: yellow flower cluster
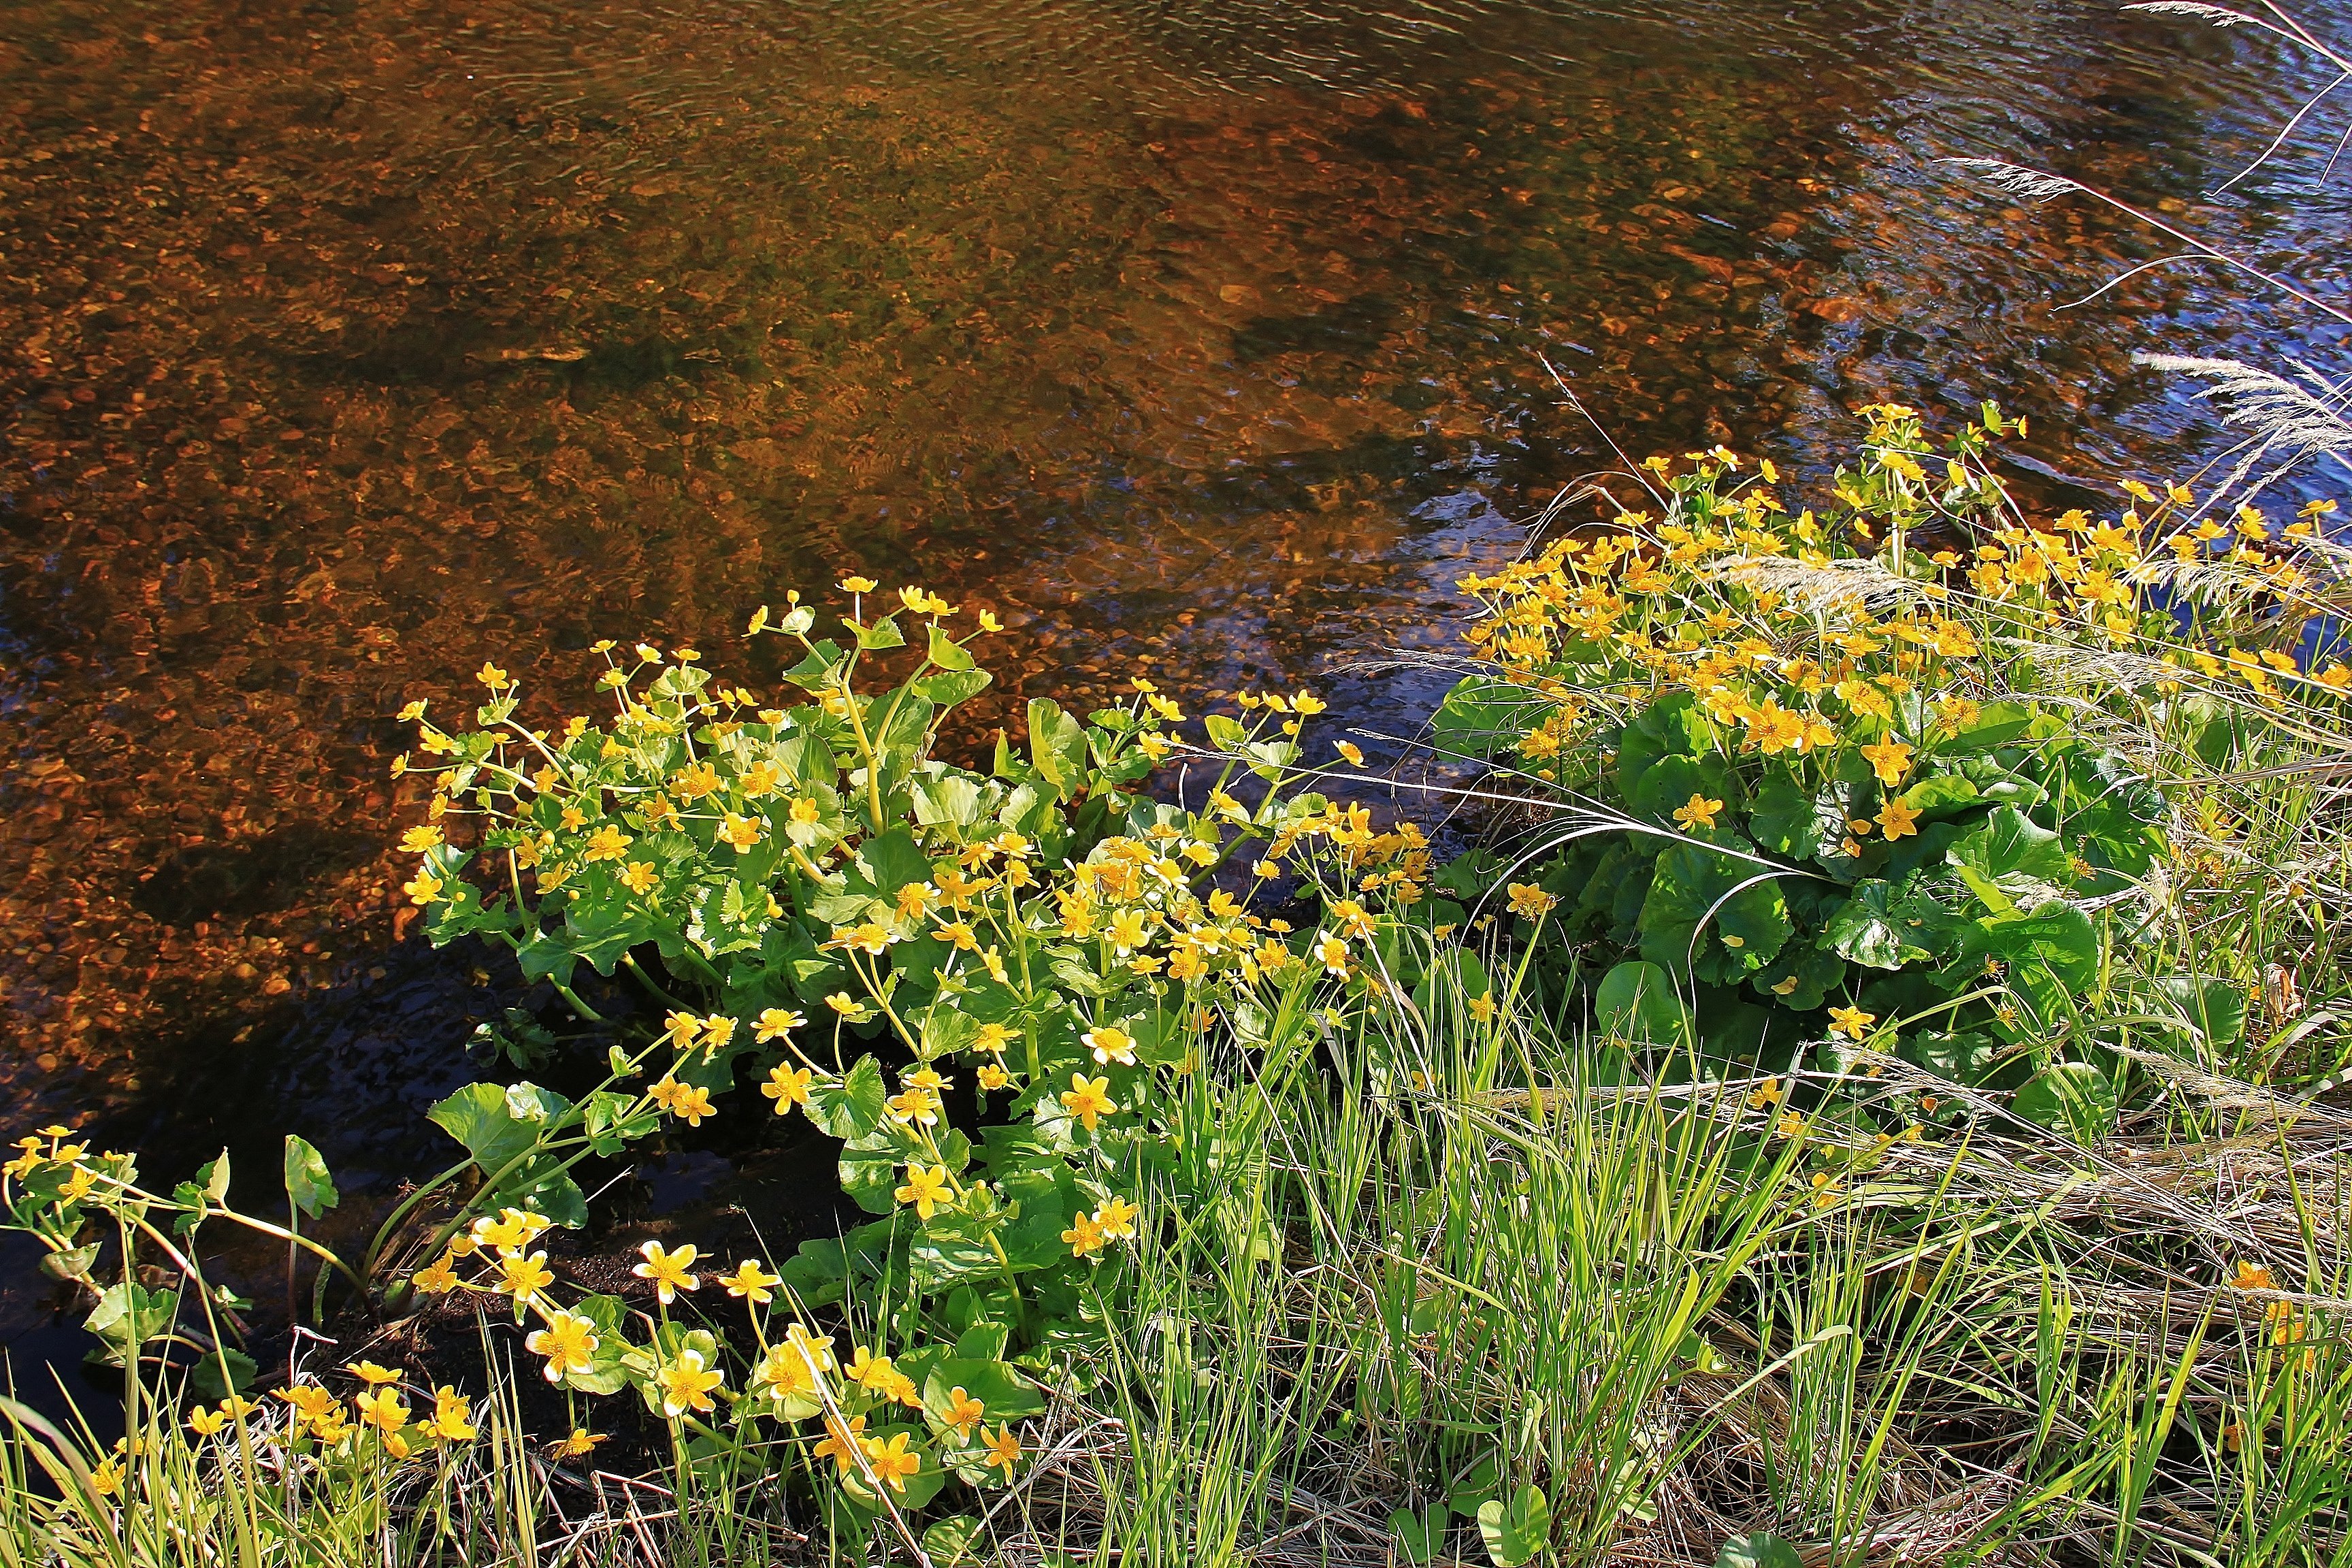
(378, 1415)
(1748, 610)
(795, 1375)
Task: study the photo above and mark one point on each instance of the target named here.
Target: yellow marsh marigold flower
(870, 1371)
(513, 1227)
(492, 676)
(1084, 1235)
(437, 1279)
(1116, 1218)
(1764, 1094)
(992, 1039)
(667, 1269)
(581, 1443)
(927, 1189)
(841, 1441)
(963, 1414)
(607, 843)
(846, 1005)
(1898, 819)
(204, 1422)
(312, 1403)
(817, 1348)
(1110, 1044)
(717, 1029)
(1851, 1022)
(1530, 901)
(1698, 812)
(1004, 1450)
(375, 1376)
(993, 1076)
(419, 840)
(523, 1278)
(917, 1105)
(780, 1374)
(787, 1086)
(1332, 953)
(776, 1022)
(873, 938)
(423, 888)
(1351, 751)
(1127, 931)
(685, 1384)
(689, 1103)
(891, 1461)
(750, 1282)
(452, 1420)
(381, 1408)
(859, 585)
(2251, 1277)
(1890, 760)
(739, 833)
(1774, 728)
(639, 877)
(1088, 1098)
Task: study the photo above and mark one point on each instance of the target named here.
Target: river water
(345, 344)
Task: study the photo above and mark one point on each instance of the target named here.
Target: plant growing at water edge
(87, 1210)
(810, 888)
(1834, 777)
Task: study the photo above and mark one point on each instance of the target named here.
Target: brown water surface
(344, 344)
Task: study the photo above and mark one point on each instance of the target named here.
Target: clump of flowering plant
(1828, 783)
(805, 884)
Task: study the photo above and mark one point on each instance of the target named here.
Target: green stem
(630, 960)
(374, 1253)
(572, 999)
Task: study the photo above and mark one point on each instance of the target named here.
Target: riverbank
(1871, 1092)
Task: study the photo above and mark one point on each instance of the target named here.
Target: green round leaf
(1516, 1530)
(1761, 1550)
(2074, 1098)
(1638, 1002)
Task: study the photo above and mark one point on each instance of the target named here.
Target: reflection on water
(343, 344)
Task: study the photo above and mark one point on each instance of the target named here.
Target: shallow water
(345, 344)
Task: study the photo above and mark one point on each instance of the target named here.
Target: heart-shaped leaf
(1515, 1532)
